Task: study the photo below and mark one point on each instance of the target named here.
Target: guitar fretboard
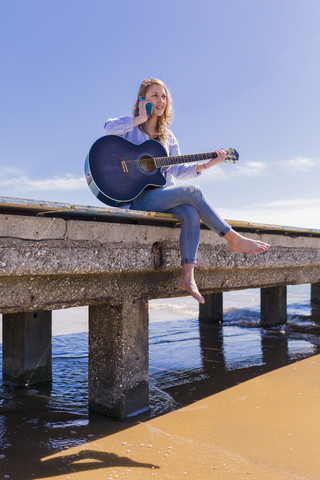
(196, 157)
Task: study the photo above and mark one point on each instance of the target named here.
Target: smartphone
(149, 106)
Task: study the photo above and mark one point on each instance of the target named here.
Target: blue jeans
(189, 205)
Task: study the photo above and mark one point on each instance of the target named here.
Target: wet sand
(265, 428)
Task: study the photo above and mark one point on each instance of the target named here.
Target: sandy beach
(265, 428)
(231, 401)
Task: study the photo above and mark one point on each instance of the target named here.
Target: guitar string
(178, 159)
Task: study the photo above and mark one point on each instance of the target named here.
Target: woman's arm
(120, 126)
(214, 161)
(183, 171)
(188, 171)
(143, 116)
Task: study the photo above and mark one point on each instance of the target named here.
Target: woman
(186, 202)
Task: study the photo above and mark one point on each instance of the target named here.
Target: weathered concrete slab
(41, 207)
(84, 262)
(38, 229)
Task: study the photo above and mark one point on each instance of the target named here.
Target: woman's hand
(143, 116)
(221, 156)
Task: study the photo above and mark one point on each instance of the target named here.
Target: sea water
(188, 361)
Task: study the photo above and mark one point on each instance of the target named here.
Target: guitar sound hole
(147, 164)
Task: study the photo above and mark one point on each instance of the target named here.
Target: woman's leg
(189, 242)
(189, 233)
(166, 198)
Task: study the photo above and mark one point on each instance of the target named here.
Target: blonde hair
(165, 119)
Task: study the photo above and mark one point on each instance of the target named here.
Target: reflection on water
(188, 361)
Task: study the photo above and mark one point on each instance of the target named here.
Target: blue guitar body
(118, 170)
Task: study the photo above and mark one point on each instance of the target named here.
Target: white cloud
(300, 164)
(13, 178)
(215, 173)
(292, 203)
(257, 169)
(9, 172)
(301, 212)
(251, 169)
(226, 171)
(300, 218)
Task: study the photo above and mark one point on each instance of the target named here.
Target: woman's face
(158, 97)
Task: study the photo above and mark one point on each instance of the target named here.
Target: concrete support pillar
(119, 358)
(273, 306)
(212, 310)
(211, 343)
(315, 293)
(27, 350)
(274, 350)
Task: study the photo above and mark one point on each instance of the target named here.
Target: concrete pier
(27, 348)
(118, 358)
(273, 306)
(212, 309)
(55, 256)
(315, 293)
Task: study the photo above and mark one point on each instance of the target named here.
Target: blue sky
(242, 73)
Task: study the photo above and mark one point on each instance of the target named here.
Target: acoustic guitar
(117, 170)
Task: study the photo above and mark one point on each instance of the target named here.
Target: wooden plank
(44, 207)
(266, 227)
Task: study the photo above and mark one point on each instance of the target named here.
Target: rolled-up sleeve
(118, 126)
(184, 171)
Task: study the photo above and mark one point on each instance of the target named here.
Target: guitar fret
(178, 159)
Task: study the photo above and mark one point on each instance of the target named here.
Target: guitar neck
(175, 160)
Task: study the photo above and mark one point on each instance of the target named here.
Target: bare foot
(187, 282)
(238, 243)
(191, 287)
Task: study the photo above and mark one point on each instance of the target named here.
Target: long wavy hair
(165, 119)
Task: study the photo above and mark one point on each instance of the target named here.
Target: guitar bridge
(123, 166)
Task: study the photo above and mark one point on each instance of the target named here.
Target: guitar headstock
(231, 155)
